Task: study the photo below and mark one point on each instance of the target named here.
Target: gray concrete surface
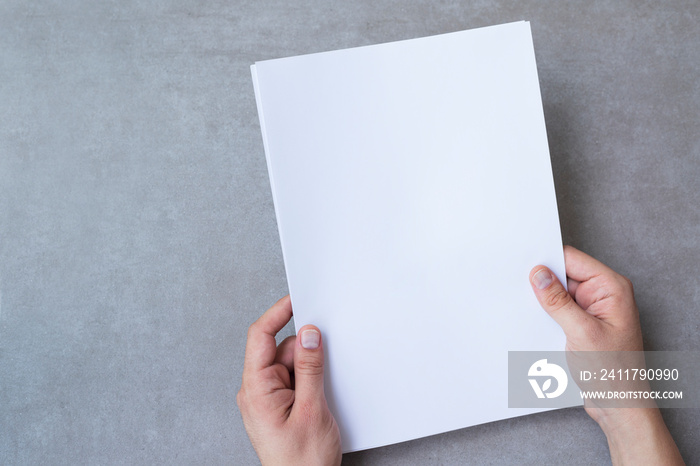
(137, 233)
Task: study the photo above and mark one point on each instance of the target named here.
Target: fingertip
(309, 337)
(569, 248)
(535, 269)
(541, 277)
(308, 327)
(283, 300)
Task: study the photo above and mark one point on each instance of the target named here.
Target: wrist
(617, 422)
(638, 436)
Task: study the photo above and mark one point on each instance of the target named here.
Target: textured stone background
(138, 238)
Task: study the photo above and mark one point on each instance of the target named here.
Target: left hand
(281, 398)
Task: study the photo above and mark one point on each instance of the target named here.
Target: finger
(572, 286)
(582, 267)
(285, 353)
(261, 347)
(557, 302)
(308, 366)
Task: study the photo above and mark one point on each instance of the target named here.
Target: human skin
(281, 397)
(599, 313)
(287, 419)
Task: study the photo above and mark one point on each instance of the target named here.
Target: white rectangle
(413, 191)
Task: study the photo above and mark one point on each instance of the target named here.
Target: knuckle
(618, 284)
(557, 299)
(252, 329)
(309, 366)
(627, 283)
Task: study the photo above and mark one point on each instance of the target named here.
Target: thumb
(558, 303)
(308, 365)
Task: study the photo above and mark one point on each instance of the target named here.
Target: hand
(599, 314)
(281, 398)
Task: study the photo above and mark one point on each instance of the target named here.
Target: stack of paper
(413, 191)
